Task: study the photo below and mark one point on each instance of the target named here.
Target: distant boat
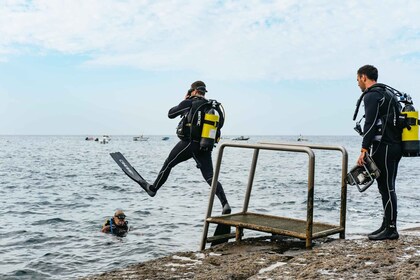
(301, 138)
(90, 138)
(140, 138)
(240, 138)
(105, 139)
(165, 138)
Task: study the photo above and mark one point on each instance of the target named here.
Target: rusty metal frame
(237, 219)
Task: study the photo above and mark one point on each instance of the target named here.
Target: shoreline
(281, 257)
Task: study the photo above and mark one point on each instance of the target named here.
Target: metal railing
(274, 224)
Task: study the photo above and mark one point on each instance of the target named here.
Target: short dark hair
(200, 86)
(370, 71)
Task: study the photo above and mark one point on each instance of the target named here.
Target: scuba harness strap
(402, 120)
(204, 122)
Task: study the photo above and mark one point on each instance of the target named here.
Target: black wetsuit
(189, 148)
(383, 138)
(117, 229)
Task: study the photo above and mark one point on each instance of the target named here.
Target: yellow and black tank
(209, 132)
(410, 134)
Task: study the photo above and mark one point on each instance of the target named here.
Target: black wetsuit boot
(390, 232)
(383, 226)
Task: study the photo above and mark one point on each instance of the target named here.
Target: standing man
(191, 109)
(382, 139)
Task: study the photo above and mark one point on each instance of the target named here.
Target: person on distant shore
(382, 139)
(116, 225)
(189, 145)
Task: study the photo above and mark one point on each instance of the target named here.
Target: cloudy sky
(284, 67)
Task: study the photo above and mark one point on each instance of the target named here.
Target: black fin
(221, 230)
(127, 168)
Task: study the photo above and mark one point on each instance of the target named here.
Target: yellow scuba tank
(209, 131)
(410, 133)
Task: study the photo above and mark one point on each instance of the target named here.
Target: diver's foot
(383, 226)
(389, 233)
(150, 190)
(226, 209)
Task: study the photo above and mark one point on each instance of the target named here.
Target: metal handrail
(257, 147)
(344, 167)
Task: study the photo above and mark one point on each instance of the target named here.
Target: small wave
(28, 274)
(51, 221)
(112, 188)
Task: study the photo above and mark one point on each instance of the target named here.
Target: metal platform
(276, 225)
(303, 229)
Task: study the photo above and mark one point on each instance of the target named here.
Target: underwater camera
(363, 176)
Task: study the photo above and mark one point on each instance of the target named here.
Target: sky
(287, 67)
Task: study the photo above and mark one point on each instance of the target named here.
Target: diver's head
(198, 88)
(119, 217)
(367, 76)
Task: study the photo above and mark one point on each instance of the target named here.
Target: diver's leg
(205, 164)
(387, 158)
(181, 152)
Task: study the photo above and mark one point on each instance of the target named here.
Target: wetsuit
(116, 229)
(383, 138)
(189, 148)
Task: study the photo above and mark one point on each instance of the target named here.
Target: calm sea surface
(56, 191)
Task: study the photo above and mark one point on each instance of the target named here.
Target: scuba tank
(203, 123)
(407, 121)
(209, 131)
(363, 176)
(410, 133)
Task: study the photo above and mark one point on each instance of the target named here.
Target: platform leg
(238, 236)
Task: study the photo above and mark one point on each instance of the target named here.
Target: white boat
(140, 138)
(105, 139)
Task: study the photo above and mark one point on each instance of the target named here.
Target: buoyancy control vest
(115, 229)
(202, 123)
(401, 122)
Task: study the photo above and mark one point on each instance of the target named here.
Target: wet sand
(285, 258)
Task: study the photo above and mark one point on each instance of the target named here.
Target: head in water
(119, 217)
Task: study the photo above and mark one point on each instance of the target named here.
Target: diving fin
(131, 172)
(221, 230)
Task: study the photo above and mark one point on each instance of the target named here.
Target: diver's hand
(361, 159)
(106, 229)
(189, 92)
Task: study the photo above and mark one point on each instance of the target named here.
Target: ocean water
(56, 191)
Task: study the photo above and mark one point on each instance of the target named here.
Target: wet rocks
(286, 259)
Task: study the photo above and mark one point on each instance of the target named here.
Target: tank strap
(211, 122)
(110, 225)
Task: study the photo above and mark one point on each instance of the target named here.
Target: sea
(57, 191)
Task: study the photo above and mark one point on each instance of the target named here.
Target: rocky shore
(286, 258)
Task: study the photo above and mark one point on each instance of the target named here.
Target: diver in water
(116, 225)
(382, 139)
(189, 145)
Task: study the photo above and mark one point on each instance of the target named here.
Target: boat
(301, 138)
(165, 138)
(140, 138)
(240, 138)
(105, 139)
